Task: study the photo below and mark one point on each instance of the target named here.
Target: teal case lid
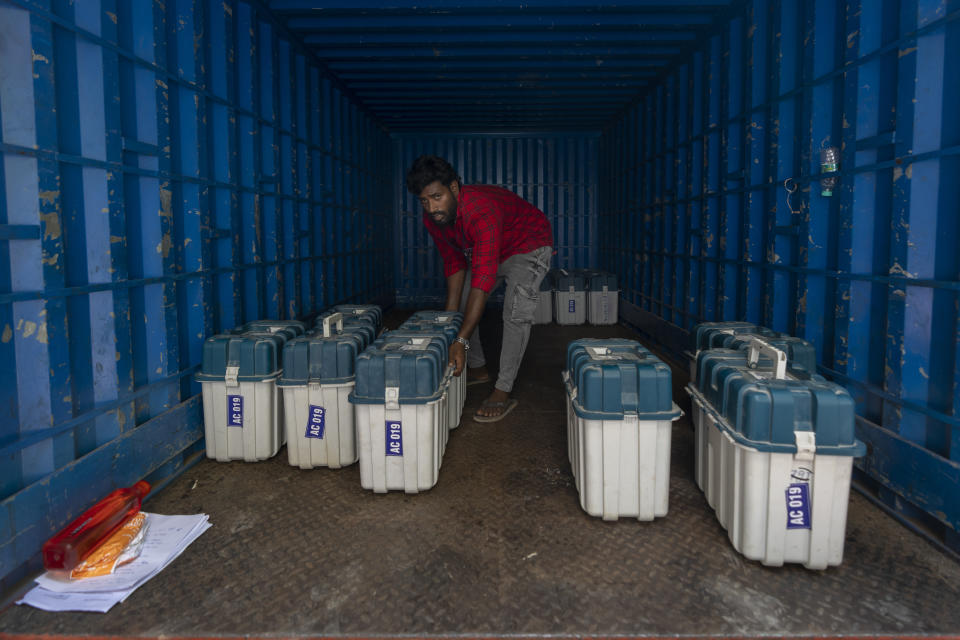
(603, 279)
(612, 377)
(257, 356)
(291, 328)
(314, 358)
(763, 412)
(801, 355)
(575, 280)
(360, 310)
(448, 333)
(704, 332)
(415, 366)
(361, 328)
(438, 317)
(367, 318)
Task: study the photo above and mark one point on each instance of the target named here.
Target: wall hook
(790, 187)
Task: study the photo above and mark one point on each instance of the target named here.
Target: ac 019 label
(798, 506)
(394, 438)
(234, 411)
(316, 423)
(572, 306)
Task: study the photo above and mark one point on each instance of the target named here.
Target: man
(509, 240)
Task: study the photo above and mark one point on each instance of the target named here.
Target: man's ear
(455, 189)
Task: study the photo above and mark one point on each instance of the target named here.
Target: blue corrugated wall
(695, 218)
(169, 171)
(556, 173)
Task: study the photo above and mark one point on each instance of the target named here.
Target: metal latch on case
(391, 398)
(806, 445)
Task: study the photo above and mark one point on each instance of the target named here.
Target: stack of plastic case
(710, 335)
(401, 414)
(619, 415)
(241, 405)
(286, 329)
(778, 455)
(318, 376)
(604, 296)
(544, 312)
(801, 361)
(445, 325)
(570, 299)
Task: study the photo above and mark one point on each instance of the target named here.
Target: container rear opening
(171, 170)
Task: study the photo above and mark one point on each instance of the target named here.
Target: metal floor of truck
(500, 547)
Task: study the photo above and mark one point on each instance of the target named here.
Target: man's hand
(458, 358)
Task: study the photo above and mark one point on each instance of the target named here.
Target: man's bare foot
(497, 405)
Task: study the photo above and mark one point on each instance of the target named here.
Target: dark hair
(427, 169)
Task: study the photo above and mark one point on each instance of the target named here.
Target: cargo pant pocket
(525, 301)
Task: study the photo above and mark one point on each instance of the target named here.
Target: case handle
(330, 319)
(779, 357)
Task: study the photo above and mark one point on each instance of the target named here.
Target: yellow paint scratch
(28, 328)
(39, 57)
(112, 16)
(51, 260)
(924, 374)
(42, 333)
(49, 197)
(7, 334)
(897, 270)
(906, 52)
(166, 203)
(51, 225)
(165, 245)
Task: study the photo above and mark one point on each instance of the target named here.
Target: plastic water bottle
(829, 158)
(65, 550)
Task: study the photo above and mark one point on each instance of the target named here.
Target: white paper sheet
(166, 539)
(52, 601)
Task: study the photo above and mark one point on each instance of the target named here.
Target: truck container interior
(172, 169)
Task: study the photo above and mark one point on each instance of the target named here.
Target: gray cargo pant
(522, 273)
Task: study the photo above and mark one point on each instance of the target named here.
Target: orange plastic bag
(110, 554)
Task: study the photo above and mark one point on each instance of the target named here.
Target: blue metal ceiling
(480, 65)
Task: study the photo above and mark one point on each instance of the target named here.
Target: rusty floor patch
(500, 547)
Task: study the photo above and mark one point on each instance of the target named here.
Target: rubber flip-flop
(507, 407)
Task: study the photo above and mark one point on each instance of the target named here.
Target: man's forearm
(455, 290)
(476, 301)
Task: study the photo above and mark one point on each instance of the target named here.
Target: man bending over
(507, 239)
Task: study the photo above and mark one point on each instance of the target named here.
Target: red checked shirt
(496, 224)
